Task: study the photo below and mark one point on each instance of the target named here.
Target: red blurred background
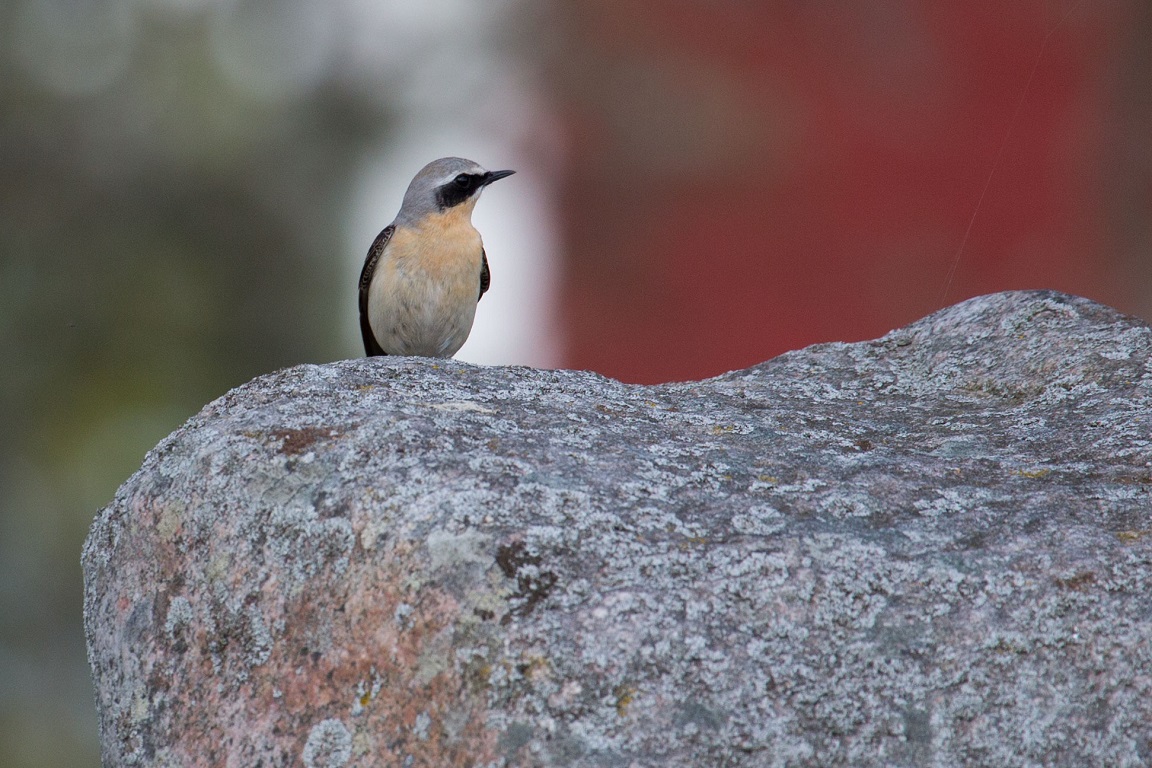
(748, 178)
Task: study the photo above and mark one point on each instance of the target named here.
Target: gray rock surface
(932, 549)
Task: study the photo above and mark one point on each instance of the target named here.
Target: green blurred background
(187, 189)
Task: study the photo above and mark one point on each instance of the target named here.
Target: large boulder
(930, 549)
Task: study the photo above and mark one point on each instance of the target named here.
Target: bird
(427, 270)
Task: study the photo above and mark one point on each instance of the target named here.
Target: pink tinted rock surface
(929, 549)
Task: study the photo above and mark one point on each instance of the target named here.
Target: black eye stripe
(458, 189)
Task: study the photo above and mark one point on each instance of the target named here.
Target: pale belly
(424, 306)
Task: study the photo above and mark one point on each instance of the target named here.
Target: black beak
(492, 176)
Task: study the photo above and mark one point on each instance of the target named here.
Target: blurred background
(188, 189)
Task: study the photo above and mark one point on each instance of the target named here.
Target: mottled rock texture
(933, 549)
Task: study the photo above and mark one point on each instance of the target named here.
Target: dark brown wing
(485, 275)
(371, 346)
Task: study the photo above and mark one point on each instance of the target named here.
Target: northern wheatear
(426, 270)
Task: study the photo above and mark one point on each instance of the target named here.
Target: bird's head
(447, 183)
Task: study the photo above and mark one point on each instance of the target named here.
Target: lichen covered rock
(930, 549)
